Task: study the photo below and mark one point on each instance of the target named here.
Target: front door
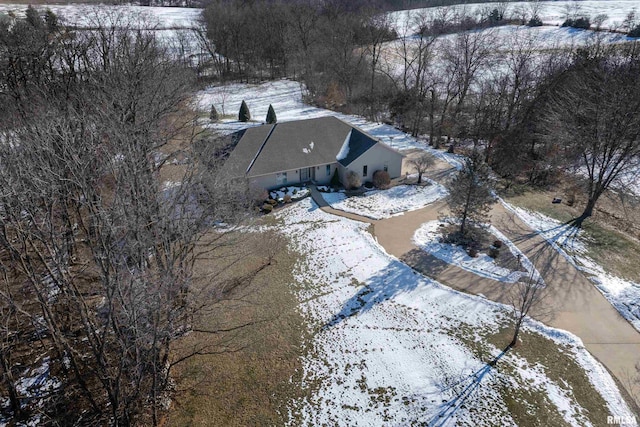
(304, 175)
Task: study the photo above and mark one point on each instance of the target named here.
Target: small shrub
(267, 208)
(581, 23)
(260, 196)
(213, 115)
(287, 198)
(353, 180)
(272, 202)
(497, 244)
(534, 22)
(381, 179)
(368, 185)
(473, 252)
(271, 116)
(494, 252)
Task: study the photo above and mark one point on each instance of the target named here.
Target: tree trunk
(516, 332)
(588, 209)
(14, 400)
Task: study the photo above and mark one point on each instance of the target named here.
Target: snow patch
(380, 204)
(428, 237)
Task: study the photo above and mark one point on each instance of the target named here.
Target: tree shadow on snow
(394, 280)
(465, 389)
(388, 283)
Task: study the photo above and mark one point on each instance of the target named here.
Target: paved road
(572, 302)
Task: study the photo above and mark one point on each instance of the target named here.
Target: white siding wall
(375, 159)
(269, 182)
(321, 173)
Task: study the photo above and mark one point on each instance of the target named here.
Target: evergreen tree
(470, 197)
(213, 116)
(51, 20)
(271, 116)
(244, 115)
(33, 17)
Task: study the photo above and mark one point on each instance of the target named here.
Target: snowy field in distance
(85, 14)
(380, 204)
(551, 12)
(384, 345)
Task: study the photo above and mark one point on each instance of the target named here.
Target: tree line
(97, 255)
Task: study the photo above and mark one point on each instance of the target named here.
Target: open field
(394, 346)
(551, 12)
(82, 14)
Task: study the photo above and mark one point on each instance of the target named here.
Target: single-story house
(311, 150)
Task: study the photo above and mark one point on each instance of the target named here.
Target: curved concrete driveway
(572, 302)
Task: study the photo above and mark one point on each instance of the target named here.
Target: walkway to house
(326, 207)
(572, 303)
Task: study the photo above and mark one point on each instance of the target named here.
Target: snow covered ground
(504, 42)
(286, 97)
(551, 12)
(427, 238)
(624, 295)
(380, 204)
(385, 346)
(86, 14)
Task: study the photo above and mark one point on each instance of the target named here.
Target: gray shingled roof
(268, 149)
(243, 154)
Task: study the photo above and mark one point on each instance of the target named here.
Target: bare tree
(523, 297)
(418, 77)
(97, 253)
(595, 117)
(421, 164)
(465, 58)
(470, 195)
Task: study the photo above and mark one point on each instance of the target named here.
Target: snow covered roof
(268, 149)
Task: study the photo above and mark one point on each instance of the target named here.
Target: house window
(386, 167)
(281, 178)
(364, 171)
(328, 170)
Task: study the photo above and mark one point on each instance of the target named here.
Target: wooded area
(96, 253)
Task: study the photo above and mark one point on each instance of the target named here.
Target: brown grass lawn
(254, 376)
(529, 405)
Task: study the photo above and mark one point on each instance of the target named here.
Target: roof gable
(358, 144)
